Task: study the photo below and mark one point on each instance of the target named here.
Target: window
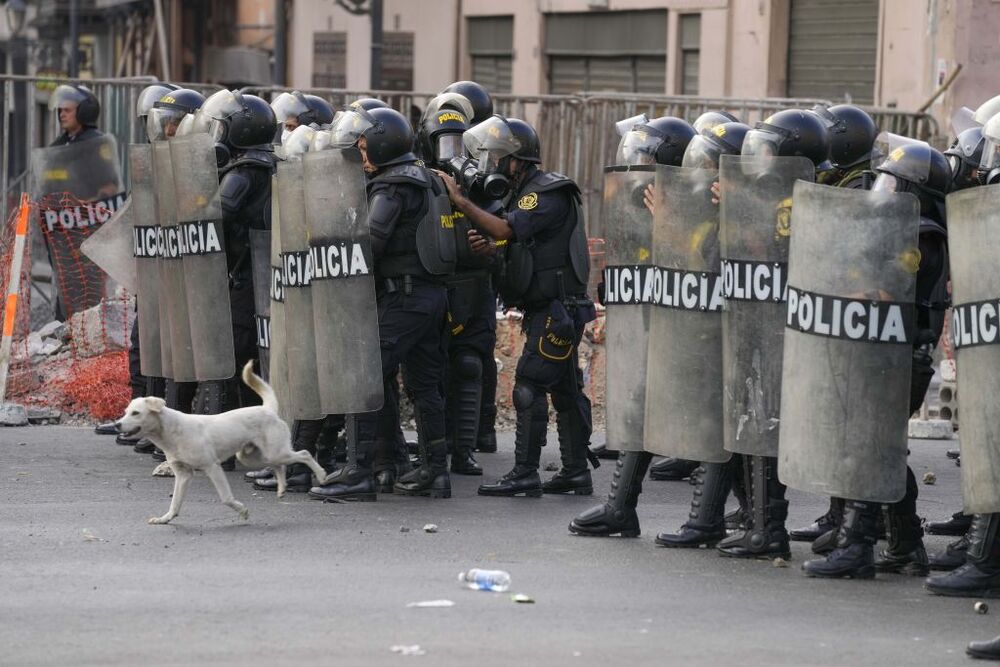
(491, 49)
(616, 52)
(397, 61)
(329, 60)
(690, 48)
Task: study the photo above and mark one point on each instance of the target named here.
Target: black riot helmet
(531, 148)
(707, 147)
(790, 133)
(964, 157)
(852, 134)
(388, 136)
(149, 96)
(167, 113)
(496, 140)
(439, 134)
(241, 121)
(478, 96)
(914, 166)
(303, 109)
(660, 141)
(88, 109)
(710, 119)
(367, 103)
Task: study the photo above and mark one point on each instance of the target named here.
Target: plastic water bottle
(497, 581)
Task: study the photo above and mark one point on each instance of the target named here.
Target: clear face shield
(221, 105)
(147, 98)
(905, 161)
(299, 141)
(638, 147)
(987, 110)
(322, 140)
(761, 142)
(65, 96)
(886, 183)
(490, 142)
(701, 153)
(163, 123)
(448, 146)
(349, 126)
(623, 126)
(989, 164)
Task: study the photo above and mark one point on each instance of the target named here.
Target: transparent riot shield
(974, 244)
(300, 341)
(849, 324)
(145, 249)
(110, 247)
(173, 285)
(684, 366)
(260, 259)
(345, 315)
(203, 251)
(277, 357)
(77, 188)
(628, 238)
(754, 227)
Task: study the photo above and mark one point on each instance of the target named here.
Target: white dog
(257, 436)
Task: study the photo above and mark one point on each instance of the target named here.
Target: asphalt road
(84, 579)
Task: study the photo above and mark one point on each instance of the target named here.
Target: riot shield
(754, 226)
(974, 244)
(145, 250)
(260, 264)
(173, 284)
(203, 252)
(277, 357)
(110, 247)
(684, 367)
(349, 360)
(297, 272)
(628, 235)
(77, 188)
(848, 342)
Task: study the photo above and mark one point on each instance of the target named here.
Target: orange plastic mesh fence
(88, 376)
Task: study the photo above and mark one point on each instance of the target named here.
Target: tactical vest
(422, 245)
(254, 209)
(537, 272)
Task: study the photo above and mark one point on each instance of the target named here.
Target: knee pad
(524, 396)
(467, 366)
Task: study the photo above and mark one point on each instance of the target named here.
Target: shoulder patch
(528, 201)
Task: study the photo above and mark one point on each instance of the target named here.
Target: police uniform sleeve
(534, 213)
(233, 191)
(384, 209)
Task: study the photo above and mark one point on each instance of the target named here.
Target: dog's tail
(260, 387)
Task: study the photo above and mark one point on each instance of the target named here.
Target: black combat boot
(254, 475)
(824, 524)
(466, 394)
(305, 433)
(953, 556)
(766, 536)
(980, 576)
(431, 478)
(905, 553)
(529, 436)
(671, 469)
(355, 481)
(617, 515)
(988, 650)
(706, 524)
(854, 554)
(574, 476)
(144, 446)
(957, 525)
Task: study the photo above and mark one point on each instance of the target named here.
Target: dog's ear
(155, 403)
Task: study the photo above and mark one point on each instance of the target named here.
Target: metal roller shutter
(832, 49)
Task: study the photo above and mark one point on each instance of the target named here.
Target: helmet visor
(987, 110)
(163, 123)
(908, 159)
(885, 183)
(491, 140)
(322, 140)
(298, 141)
(991, 156)
(622, 127)
(349, 127)
(701, 154)
(195, 123)
(761, 142)
(638, 147)
(448, 145)
(222, 104)
(147, 98)
(288, 106)
(963, 119)
(64, 96)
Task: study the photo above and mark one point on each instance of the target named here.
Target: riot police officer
(244, 127)
(544, 221)
(917, 168)
(292, 110)
(478, 96)
(852, 140)
(660, 141)
(406, 200)
(787, 133)
(78, 110)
